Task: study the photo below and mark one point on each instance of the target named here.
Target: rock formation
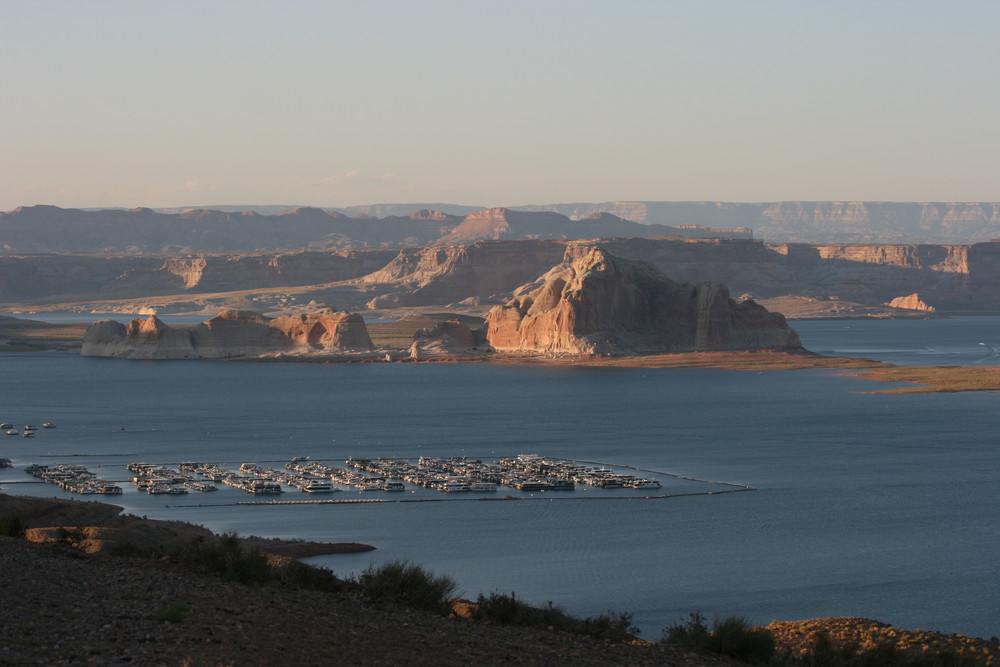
(596, 303)
(229, 334)
(910, 302)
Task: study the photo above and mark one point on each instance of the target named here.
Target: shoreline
(32, 336)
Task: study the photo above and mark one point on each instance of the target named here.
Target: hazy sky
(141, 103)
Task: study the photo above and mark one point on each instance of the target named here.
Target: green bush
(300, 575)
(733, 637)
(403, 583)
(175, 612)
(228, 558)
(504, 609)
(13, 526)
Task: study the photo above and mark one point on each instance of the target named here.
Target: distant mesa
(597, 303)
(231, 333)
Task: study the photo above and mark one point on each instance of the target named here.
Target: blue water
(867, 505)
(959, 341)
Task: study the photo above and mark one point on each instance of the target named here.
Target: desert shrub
(228, 558)
(614, 625)
(733, 637)
(504, 609)
(74, 537)
(13, 526)
(403, 583)
(300, 575)
(175, 612)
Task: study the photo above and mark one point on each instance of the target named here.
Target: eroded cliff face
(596, 303)
(229, 334)
(876, 273)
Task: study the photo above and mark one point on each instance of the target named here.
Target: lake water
(870, 505)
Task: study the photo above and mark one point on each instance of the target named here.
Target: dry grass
(933, 379)
(27, 335)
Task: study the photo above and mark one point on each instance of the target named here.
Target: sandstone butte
(911, 302)
(231, 333)
(597, 303)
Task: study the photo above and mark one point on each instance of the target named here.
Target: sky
(500, 103)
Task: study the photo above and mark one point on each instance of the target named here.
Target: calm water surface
(867, 505)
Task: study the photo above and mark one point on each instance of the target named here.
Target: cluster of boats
(161, 480)
(278, 477)
(525, 472)
(528, 465)
(306, 466)
(27, 432)
(422, 475)
(73, 478)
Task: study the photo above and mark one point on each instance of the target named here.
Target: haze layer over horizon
(113, 103)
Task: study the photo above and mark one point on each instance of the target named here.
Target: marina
(456, 477)
(74, 478)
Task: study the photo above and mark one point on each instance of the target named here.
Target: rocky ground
(798, 638)
(61, 607)
(70, 597)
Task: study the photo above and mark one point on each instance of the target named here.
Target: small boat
(454, 487)
(13, 432)
(393, 486)
(48, 425)
(482, 486)
(6, 425)
(28, 434)
(318, 486)
(29, 427)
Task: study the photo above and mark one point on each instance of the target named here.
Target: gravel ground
(61, 607)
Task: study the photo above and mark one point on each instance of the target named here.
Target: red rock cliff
(595, 302)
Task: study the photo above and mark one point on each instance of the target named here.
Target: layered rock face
(876, 273)
(229, 334)
(596, 303)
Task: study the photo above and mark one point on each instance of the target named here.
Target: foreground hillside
(144, 606)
